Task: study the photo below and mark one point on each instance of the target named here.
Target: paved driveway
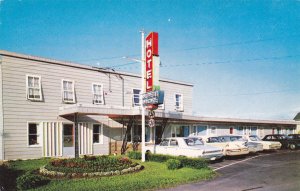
(278, 171)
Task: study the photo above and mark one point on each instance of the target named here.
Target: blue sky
(243, 57)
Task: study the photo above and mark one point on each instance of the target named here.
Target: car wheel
(292, 146)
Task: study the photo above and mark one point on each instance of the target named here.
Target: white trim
(101, 93)
(39, 134)
(180, 107)
(62, 91)
(140, 97)
(27, 87)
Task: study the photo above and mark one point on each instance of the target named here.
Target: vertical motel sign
(152, 62)
(153, 96)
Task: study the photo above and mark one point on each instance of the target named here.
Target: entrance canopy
(116, 113)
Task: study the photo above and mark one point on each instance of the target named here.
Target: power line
(219, 62)
(197, 48)
(236, 43)
(256, 93)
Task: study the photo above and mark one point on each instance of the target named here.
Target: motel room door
(68, 140)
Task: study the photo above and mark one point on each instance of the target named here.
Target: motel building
(42, 100)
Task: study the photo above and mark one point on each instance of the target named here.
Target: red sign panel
(151, 50)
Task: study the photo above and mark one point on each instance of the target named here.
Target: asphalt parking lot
(271, 171)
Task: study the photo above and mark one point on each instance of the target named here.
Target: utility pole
(141, 94)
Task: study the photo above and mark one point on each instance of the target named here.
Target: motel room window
(178, 102)
(33, 134)
(97, 133)
(253, 131)
(98, 94)
(33, 85)
(213, 130)
(136, 97)
(68, 92)
(180, 131)
(240, 130)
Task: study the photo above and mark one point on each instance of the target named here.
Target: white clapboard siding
(52, 139)
(85, 138)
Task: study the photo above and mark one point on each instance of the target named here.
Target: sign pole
(141, 93)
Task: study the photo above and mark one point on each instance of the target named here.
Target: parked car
(229, 148)
(294, 136)
(285, 141)
(267, 145)
(252, 146)
(186, 146)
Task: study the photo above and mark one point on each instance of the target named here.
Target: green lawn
(154, 176)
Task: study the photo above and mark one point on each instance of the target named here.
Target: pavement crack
(254, 188)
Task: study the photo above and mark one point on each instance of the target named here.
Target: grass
(154, 176)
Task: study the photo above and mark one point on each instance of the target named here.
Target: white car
(229, 148)
(186, 146)
(267, 145)
(252, 146)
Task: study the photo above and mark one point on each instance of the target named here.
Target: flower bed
(89, 167)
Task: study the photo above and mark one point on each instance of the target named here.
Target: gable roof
(297, 117)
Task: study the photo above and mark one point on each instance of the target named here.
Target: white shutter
(85, 138)
(52, 139)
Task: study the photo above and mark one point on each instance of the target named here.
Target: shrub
(159, 157)
(173, 164)
(134, 155)
(196, 163)
(30, 180)
(90, 164)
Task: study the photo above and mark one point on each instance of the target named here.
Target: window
(178, 102)
(164, 142)
(98, 94)
(180, 131)
(136, 97)
(199, 130)
(97, 133)
(68, 94)
(33, 86)
(240, 130)
(213, 130)
(33, 134)
(253, 131)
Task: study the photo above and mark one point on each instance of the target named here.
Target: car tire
(292, 146)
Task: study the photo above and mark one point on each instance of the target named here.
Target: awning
(114, 112)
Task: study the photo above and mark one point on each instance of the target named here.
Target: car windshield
(193, 141)
(254, 138)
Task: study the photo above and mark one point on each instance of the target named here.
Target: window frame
(39, 134)
(27, 87)
(101, 93)
(101, 137)
(180, 107)
(140, 102)
(63, 91)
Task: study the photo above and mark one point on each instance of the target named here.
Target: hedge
(134, 155)
(30, 180)
(196, 163)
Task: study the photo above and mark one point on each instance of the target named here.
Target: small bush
(196, 163)
(159, 157)
(173, 164)
(134, 155)
(30, 180)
